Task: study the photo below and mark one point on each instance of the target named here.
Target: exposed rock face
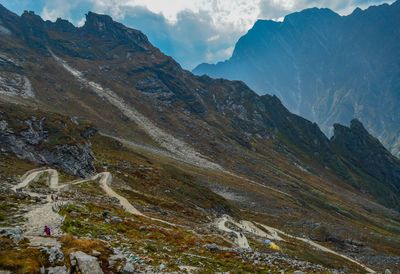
(325, 67)
(57, 270)
(85, 263)
(55, 254)
(357, 147)
(14, 233)
(112, 76)
(14, 84)
(38, 140)
(13, 81)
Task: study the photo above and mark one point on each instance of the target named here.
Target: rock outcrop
(364, 152)
(113, 76)
(46, 142)
(14, 233)
(326, 67)
(84, 263)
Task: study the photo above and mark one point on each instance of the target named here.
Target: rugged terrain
(168, 171)
(326, 67)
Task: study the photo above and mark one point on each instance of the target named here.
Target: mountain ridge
(250, 119)
(329, 71)
(187, 150)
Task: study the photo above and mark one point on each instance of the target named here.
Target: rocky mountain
(325, 67)
(159, 170)
(358, 148)
(30, 138)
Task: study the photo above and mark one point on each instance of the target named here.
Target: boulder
(128, 268)
(14, 233)
(212, 247)
(57, 270)
(113, 259)
(85, 263)
(116, 219)
(55, 254)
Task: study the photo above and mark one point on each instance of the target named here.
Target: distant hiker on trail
(47, 230)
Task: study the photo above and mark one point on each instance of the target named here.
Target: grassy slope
(174, 191)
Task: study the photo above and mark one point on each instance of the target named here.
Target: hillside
(160, 163)
(325, 67)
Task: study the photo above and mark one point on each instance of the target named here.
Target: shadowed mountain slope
(248, 155)
(325, 67)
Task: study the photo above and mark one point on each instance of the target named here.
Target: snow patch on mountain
(167, 141)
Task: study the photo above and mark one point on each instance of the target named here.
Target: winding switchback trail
(178, 148)
(317, 246)
(273, 234)
(35, 174)
(45, 214)
(240, 240)
(105, 178)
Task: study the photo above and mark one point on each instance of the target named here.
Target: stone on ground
(57, 270)
(85, 263)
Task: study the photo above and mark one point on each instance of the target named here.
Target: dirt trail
(240, 240)
(105, 179)
(317, 246)
(273, 234)
(40, 216)
(34, 175)
(252, 228)
(44, 215)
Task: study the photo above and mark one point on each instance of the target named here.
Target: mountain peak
(64, 25)
(31, 16)
(312, 15)
(362, 150)
(7, 18)
(4, 10)
(356, 125)
(104, 26)
(98, 22)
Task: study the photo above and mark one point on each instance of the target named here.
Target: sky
(191, 31)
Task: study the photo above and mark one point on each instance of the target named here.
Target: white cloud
(193, 31)
(270, 9)
(213, 38)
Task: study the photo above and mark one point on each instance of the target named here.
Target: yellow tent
(274, 246)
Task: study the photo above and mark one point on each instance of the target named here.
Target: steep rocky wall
(48, 142)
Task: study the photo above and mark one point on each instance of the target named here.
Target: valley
(139, 166)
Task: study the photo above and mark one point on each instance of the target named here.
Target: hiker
(47, 230)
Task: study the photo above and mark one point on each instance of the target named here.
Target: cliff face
(187, 150)
(364, 152)
(325, 67)
(112, 75)
(47, 141)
